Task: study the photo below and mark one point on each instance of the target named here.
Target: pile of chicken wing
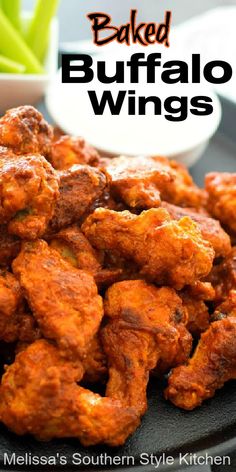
(112, 270)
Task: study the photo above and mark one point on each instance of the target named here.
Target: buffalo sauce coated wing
(80, 186)
(213, 364)
(28, 194)
(70, 150)
(146, 329)
(223, 276)
(142, 182)
(210, 228)
(64, 300)
(221, 202)
(39, 395)
(24, 130)
(166, 251)
(73, 246)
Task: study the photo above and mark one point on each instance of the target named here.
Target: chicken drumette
(25, 131)
(165, 251)
(212, 364)
(28, 194)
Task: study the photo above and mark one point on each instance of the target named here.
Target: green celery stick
(11, 9)
(9, 66)
(38, 33)
(13, 46)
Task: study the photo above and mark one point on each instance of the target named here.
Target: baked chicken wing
(28, 194)
(25, 131)
(79, 187)
(221, 202)
(213, 364)
(39, 395)
(146, 329)
(70, 150)
(76, 249)
(64, 300)
(166, 252)
(210, 228)
(142, 182)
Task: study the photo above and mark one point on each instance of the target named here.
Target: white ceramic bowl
(185, 141)
(28, 89)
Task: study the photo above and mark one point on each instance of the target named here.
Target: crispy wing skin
(213, 364)
(73, 246)
(25, 131)
(142, 182)
(79, 187)
(223, 276)
(146, 329)
(166, 252)
(138, 182)
(28, 194)
(41, 376)
(64, 300)
(194, 298)
(221, 202)
(210, 228)
(9, 247)
(70, 150)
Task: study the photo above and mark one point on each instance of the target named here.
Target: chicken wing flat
(9, 247)
(213, 364)
(146, 329)
(142, 182)
(221, 202)
(79, 187)
(76, 249)
(223, 276)
(28, 194)
(194, 298)
(166, 251)
(64, 300)
(25, 131)
(41, 376)
(70, 150)
(210, 228)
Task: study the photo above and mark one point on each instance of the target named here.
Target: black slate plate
(164, 428)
